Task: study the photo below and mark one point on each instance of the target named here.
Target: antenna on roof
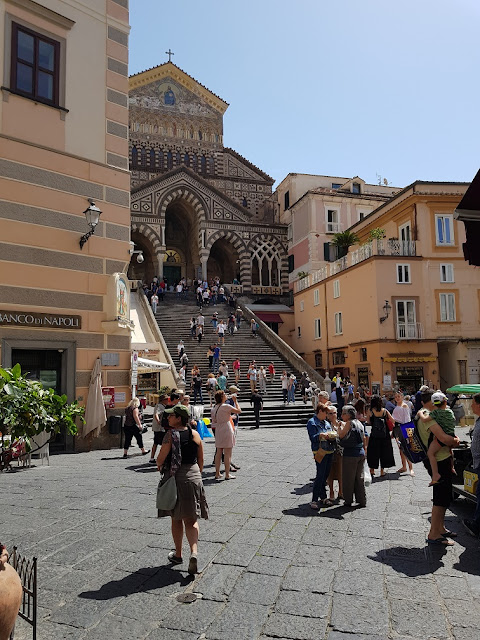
(385, 182)
(379, 178)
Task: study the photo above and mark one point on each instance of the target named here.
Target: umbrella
(95, 416)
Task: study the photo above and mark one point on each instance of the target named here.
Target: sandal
(449, 534)
(440, 542)
(314, 505)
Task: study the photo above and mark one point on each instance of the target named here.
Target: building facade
(63, 141)
(403, 308)
(198, 209)
(317, 207)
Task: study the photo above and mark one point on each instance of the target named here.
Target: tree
(27, 409)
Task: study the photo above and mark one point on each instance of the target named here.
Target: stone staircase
(173, 317)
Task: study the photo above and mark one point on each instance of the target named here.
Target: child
(445, 418)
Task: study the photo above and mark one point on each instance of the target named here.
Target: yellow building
(63, 146)
(403, 308)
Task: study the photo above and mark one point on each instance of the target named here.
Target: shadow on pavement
(411, 561)
(301, 491)
(304, 511)
(138, 582)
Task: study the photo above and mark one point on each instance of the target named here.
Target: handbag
(367, 476)
(166, 494)
(390, 424)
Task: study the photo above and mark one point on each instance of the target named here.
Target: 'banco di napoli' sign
(44, 320)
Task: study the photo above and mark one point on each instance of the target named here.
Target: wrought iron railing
(409, 331)
(27, 570)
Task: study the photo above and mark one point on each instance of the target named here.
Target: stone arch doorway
(182, 237)
(146, 270)
(223, 261)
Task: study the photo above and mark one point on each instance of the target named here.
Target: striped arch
(189, 197)
(148, 233)
(231, 236)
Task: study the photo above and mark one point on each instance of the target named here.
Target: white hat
(438, 397)
(424, 388)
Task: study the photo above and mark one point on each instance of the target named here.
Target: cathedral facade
(198, 209)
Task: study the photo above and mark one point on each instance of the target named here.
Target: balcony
(383, 247)
(409, 331)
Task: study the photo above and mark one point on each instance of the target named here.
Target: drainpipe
(415, 232)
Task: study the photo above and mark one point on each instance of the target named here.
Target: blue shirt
(315, 427)
(216, 352)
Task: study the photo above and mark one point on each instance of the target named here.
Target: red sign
(108, 397)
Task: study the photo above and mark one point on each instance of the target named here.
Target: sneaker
(144, 453)
(125, 456)
(193, 566)
(471, 527)
(174, 559)
(152, 461)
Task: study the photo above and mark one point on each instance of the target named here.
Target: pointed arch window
(194, 162)
(203, 165)
(152, 159)
(211, 165)
(186, 160)
(143, 157)
(160, 159)
(134, 157)
(169, 160)
(200, 135)
(266, 263)
(178, 158)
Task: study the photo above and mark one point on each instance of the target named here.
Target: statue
(169, 97)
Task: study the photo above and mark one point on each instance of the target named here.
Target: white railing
(383, 247)
(334, 227)
(409, 331)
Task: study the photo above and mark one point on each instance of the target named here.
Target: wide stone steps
(173, 317)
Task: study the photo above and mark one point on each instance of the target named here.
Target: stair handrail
(290, 355)
(157, 334)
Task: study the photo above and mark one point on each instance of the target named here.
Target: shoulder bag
(166, 494)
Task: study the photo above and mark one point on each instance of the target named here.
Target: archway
(223, 261)
(146, 270)
(182, 236)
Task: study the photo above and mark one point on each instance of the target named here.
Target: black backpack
(378, 427)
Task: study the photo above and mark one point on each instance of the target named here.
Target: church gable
(167, 97)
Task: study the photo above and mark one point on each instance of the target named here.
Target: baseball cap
(439, 398)
(179, 410)
(424, 388)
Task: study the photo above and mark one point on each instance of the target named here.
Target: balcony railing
(383, 247)
(409, 331)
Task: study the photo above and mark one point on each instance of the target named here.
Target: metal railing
(382, 247)
(27, 571)
(409, 331)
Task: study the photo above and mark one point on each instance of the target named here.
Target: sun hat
(233, 388)
(179, 410)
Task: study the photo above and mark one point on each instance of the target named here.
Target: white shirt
(284, 382)
(179, 288)
(201, 320)
(221, 328)
(401, 414)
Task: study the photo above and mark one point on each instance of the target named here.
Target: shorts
(442, 491)
(158, 437)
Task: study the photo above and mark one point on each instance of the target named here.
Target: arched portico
(146, 241)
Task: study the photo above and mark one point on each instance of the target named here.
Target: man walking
(473, 526)
(216, 357)
(257, 402)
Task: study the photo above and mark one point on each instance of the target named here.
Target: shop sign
(44, 320)
(387, 381)
(120, 396)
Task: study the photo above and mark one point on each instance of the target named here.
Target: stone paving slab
(270, 566)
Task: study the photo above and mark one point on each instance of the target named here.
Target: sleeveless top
(129, 419)
(188, 447)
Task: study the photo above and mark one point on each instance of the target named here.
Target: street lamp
(387, 307)
(92, 214)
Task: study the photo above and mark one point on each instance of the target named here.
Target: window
(336, 185)
(302, 305)
(363, 354)
(362, 213)
(332, 220)
(446, 273)
(447, 307)
(316, 297)
(286, 200)
(318, 360)
(405, 232)
(338, 323)
(318, 328)
(403, 274)
(290, 297)
(356, 187)
(336, 288)
(444, 229)
(338, 357)
(299, 332)
(291, 263)
(407, 327)
(35, 65)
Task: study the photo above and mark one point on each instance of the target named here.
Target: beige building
(317, 207)
(404, 308)
(63, 141)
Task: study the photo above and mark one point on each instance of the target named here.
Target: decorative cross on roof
(169, 54)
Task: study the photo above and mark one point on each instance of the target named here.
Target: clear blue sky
(334, 87)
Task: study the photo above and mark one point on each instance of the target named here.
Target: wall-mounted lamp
(92, 214)
(138, 252)
(387, 307)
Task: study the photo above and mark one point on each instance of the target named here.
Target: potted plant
(27, 409)
(376, 234)
(302, 274)
(343, 240)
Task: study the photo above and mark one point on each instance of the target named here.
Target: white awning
(150, 366)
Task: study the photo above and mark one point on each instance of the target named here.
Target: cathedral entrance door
(172, 273)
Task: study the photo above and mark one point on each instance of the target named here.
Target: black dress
(380, 450)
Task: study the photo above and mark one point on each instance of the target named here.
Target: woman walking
(133, 427)
(182, 453)
(322, 448)
(284, 381)
(211, 387)
(224, 432)
(380, 450)
(401, 415)
(262, 380)
(353, 439)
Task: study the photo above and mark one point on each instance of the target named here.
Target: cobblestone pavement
(270, 567)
